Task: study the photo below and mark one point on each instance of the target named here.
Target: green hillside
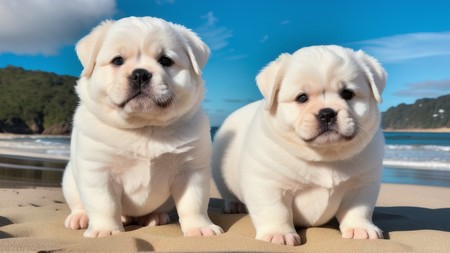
(35, 102)
(425, 113)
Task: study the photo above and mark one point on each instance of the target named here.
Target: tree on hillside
(35, 101)
(424, 113)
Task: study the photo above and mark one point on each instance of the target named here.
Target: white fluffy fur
(270, 156)
(133, 161)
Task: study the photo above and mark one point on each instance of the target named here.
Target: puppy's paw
(234, 207)
(204, 231)
(100, 226)
(78, 219)
(367, 232)
(290, 239)
(153, 219)
(100, 233)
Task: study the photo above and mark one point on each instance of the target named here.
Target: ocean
(410, 158)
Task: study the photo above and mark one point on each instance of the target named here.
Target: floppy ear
(87, 48)
(375, 74)
(269, 79)
(196, 49)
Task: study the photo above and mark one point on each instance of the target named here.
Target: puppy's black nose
(327, 115)
(140, 78)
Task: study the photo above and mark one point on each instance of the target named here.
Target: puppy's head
(325, 99)
(141, 71)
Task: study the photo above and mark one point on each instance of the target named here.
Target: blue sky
(410, 38)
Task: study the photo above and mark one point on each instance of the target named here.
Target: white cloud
(407, 46)
(216, 37)
(431, 88)
(161, 2)
(285, 22)
(45, 26)
(211, 20)
(264, 38)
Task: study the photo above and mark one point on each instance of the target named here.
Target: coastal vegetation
(38, 102)
(426, 113)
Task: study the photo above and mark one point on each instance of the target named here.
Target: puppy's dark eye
(347, 94)
(118, 61)
(165, 61)
(302, 98)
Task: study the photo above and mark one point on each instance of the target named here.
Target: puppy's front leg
(271, 213)
(355, 213)
(190, 191)
(101, 199)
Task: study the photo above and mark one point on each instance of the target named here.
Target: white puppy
(140, 141)
(311, 150)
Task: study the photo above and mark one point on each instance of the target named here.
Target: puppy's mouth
(131, 97)
(330, 130)
(329, 135)
(141, 97)
(144, 92)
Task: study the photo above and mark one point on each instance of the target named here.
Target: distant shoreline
(7, 150)
(420, 130)
(407, 130)
(12, 135)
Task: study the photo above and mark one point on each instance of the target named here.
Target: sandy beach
(414, 219)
